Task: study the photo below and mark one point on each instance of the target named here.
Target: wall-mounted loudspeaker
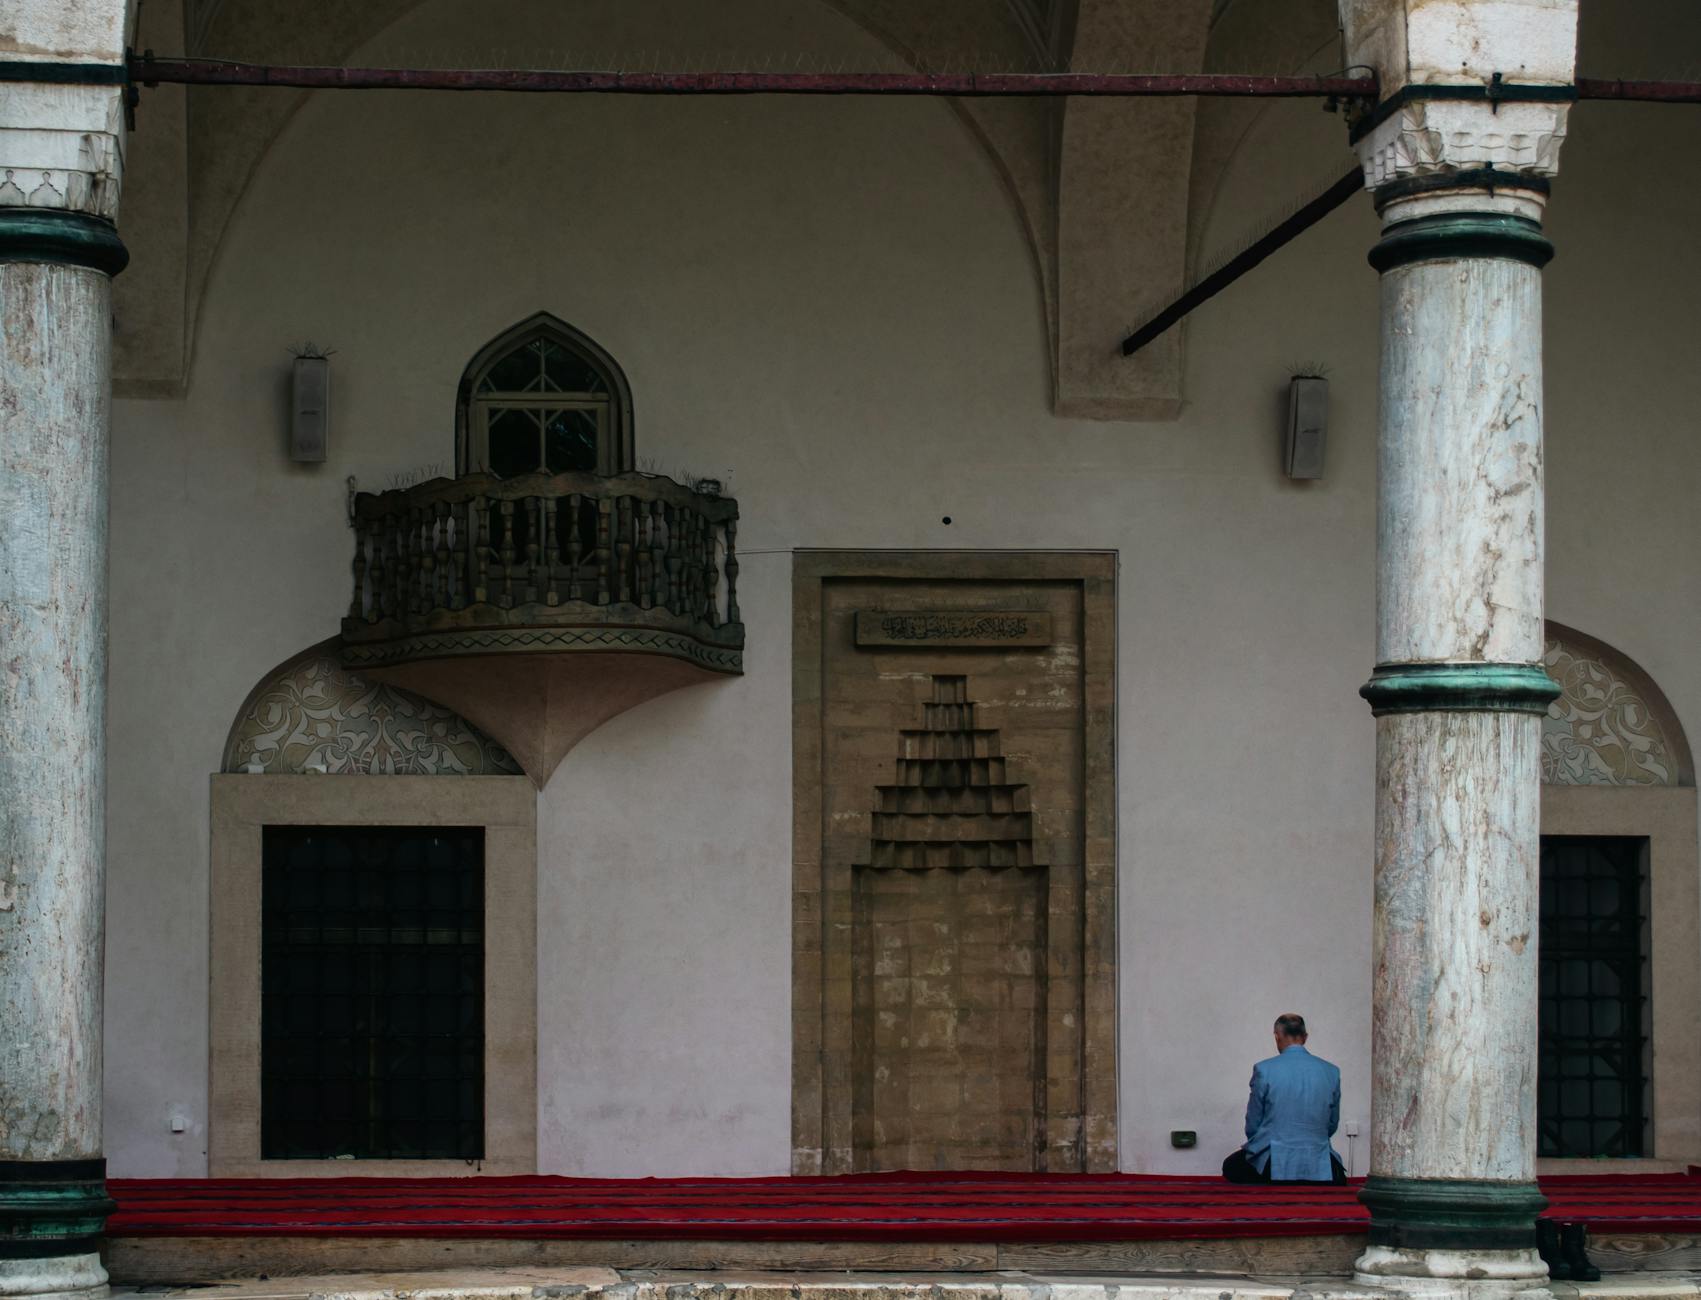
(1308, 426)
(310, 408)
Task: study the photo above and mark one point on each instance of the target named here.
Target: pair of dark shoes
(1564, 1249)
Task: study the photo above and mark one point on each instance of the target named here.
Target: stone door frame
(242, 807)
(1666, 817)
(821, 1010)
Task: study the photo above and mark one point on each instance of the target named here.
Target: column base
(54, 1277)
(1468, 1238)
(51, 1216)
(1462, 1274)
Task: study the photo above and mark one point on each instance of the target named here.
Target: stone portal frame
(819, 1004)
(506, 807)
(1642, 786)
(1666, 817)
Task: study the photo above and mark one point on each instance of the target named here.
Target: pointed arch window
(543, 397)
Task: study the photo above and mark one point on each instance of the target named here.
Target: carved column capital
(61, 147)
(1424, 137)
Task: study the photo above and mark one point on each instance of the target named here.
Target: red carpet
(885, 1207)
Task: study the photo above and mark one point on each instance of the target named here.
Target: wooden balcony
(539, 607)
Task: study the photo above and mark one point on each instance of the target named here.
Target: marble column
(1460, 182)
(60, 148)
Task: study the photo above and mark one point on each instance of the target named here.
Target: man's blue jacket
(1293, 1111)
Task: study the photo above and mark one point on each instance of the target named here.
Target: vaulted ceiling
(1102, 188)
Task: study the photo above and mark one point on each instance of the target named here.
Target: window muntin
(544, 403)
(372, 992)
(1592, 1076)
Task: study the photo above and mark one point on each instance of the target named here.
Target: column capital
(62, 105)
(1427, 133)
(1478, 89)
(61, 146)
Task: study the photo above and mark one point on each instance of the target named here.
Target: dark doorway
(372, 992)
(1593, 1072)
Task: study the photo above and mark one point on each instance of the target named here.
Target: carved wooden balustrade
(544, 564)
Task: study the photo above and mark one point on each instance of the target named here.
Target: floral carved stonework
(1603, 729)
(313, 715)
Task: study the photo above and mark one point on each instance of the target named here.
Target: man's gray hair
(1291, 1025)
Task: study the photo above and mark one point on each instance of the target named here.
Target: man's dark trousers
(1238, 1169)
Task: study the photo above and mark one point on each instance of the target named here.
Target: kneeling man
(1292, 1113)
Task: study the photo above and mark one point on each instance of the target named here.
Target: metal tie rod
(148, 70)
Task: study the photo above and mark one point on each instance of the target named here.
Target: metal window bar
(1592, 1078)
(372, 993)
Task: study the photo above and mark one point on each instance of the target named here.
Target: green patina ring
(1452, 1214)
(1491, 179)
(51, 1207)
(1461, 234)
(61, 237)
(1427, 688)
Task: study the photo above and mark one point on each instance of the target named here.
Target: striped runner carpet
(863, 1207)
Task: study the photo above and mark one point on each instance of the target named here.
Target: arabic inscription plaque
(957, 628)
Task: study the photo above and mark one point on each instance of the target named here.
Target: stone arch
(1612, 725)
(310, 714)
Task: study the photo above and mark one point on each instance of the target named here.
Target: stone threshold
(612, 1284)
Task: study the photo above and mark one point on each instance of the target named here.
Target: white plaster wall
(1246, 758)
(1624, 461)
(831, 306)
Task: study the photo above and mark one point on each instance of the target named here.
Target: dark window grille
(372, 992)
(1592, 1078)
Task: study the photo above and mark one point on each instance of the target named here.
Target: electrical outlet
(1350, 1128)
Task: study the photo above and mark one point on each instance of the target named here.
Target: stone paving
(612, 1284)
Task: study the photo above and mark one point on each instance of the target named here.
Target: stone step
(951, 772)
(978, 742)
(948, 717)
(920, 856)
(966, 800)
(934, 828)
(543, 1283)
